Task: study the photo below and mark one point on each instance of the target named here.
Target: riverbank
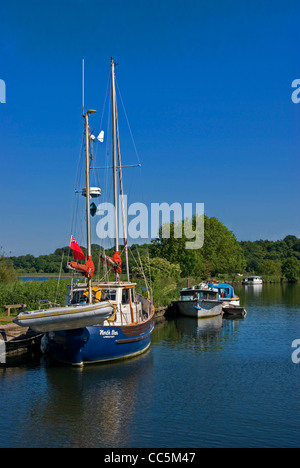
(165, 291)
(31, 292)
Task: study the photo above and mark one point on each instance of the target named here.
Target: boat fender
(197, 307)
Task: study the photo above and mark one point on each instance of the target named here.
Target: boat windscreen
(108, 294)
(80, 296)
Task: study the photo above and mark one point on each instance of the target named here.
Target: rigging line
(150, 278)
(125, 237)
(59, 278)
(104, 106)
(140, 268)
(103, 110)
(147, 285)
(134, 145)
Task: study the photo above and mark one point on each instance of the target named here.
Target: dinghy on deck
(66, 318)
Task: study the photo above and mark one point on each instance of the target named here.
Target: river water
(209, 383)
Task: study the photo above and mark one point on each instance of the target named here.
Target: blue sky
(207, 91)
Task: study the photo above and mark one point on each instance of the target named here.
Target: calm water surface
(211, 383)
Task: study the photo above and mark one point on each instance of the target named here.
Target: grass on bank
(31, 292)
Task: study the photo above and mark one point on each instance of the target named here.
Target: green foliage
(270, 267)
(221, 248)
(164, 292)
(221, 252)
(291, 269)
(30, 293)
(273, 258)
(156, 269)
(42, 264)
(7, 271)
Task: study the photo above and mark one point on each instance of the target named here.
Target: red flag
(78, 254)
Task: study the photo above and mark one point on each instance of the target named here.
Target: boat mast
(88, 208)
(122, 200)
(114, 144)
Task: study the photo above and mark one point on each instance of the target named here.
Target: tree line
(274, 258)
(221, 255)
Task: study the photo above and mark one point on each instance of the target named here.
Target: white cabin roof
(106, 285)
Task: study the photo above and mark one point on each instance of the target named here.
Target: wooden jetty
(15, 341)
(8, 308)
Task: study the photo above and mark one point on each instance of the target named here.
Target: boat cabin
(196, 294)
(253, 280)
(225, 290)
(130, 307)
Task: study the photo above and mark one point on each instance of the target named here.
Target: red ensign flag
(78, 254)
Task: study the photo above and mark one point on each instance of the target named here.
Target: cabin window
(187, 296)
(224, 292)
(204, 295)
(108, 294)
(125, 296)
(78, 297)
(208, 294)
(133, 295)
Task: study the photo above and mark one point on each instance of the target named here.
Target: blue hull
(99, 343)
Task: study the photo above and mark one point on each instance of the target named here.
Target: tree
(290, 241)
(270, 267)
(291, 269)
(278, 251)
(221, 248)
(156, 269)
(221, 252)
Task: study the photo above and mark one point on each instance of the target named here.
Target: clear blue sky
(207, 91)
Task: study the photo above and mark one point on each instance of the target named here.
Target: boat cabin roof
(221, 286)
(225, 288)
(193, 290)
(106, 285)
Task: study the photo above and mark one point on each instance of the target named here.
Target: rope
(133, 142)
(139, 266)
(23, 340)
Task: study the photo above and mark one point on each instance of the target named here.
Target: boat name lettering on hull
(109, 333)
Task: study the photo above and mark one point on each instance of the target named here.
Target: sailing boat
(102, 321)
